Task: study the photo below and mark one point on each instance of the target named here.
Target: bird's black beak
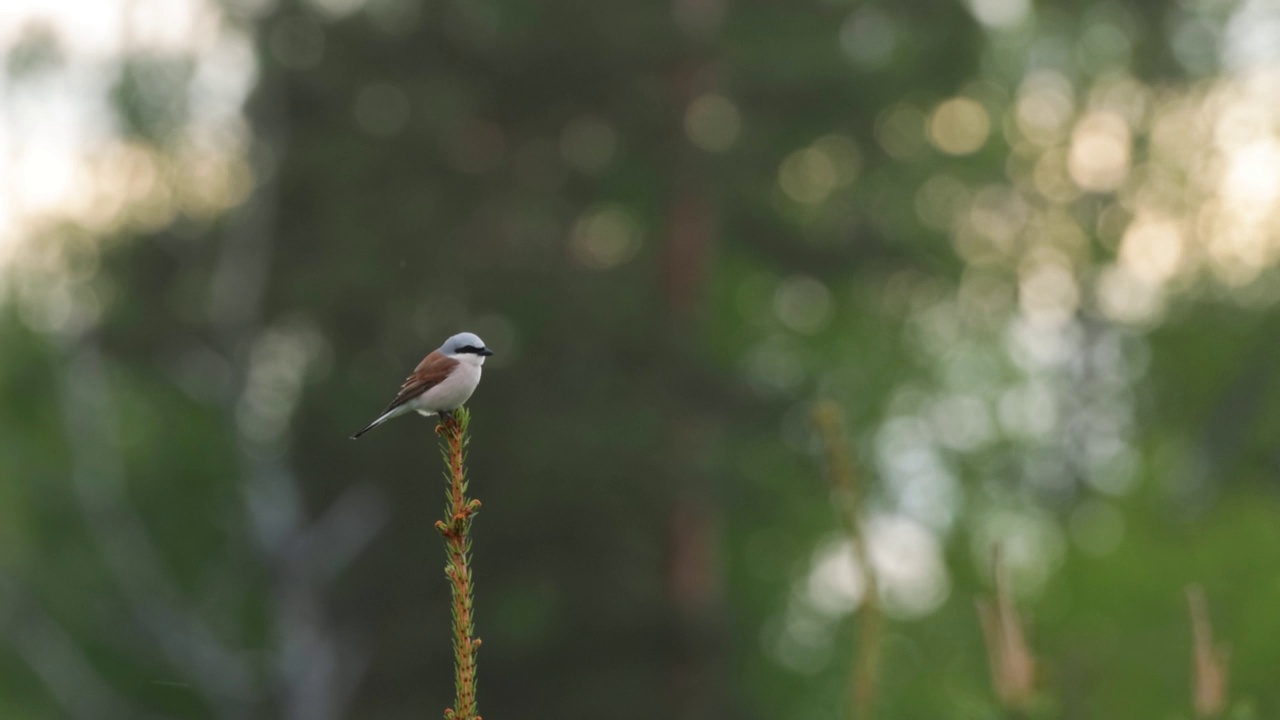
(486, 352)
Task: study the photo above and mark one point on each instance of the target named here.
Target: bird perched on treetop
(441, 383)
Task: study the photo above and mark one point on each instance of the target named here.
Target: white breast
(452, 392)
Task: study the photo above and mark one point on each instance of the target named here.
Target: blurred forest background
(1027, 250)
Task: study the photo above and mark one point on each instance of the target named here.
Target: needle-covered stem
(456, 530)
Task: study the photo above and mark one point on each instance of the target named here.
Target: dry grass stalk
(849, 495)
(1209, 662)
(1013, 667)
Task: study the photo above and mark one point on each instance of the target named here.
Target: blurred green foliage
(1028, 249)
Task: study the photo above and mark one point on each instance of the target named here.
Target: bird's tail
(381, 419)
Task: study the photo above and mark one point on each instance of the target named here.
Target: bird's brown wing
(433, 369)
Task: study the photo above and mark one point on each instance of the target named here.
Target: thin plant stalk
(1013, 666)
(1210, 660)
(456, 530)
(848, 493)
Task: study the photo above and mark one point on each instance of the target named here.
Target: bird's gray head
(466, 346)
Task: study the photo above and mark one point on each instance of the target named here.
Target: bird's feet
(444, 422)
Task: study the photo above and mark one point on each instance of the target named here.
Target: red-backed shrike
(442, 382)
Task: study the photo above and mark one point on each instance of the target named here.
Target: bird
(441, 383)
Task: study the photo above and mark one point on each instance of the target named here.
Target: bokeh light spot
(959, 126)
(803, 304)
(1099, 156)
(836, 583)
(961, 422)
(1126, 298)
(1030, 543)
(1047, 288)
(869, 37)
(1044, 107)
(712, 122)
(1000, 14)
(807, 176)
(844, 156)
(1152, 249)
(604, 238)
(907, 558)
(1253, 175)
